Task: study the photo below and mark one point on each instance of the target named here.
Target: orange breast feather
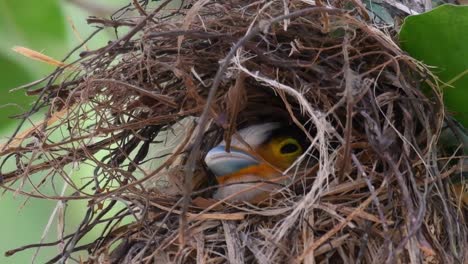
(263, 170)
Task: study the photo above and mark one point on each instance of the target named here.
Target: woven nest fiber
(144, 110)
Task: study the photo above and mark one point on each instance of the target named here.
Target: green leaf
(440, 38)
(378, 13)
(12, 103)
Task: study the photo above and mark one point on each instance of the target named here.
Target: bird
(250, 169)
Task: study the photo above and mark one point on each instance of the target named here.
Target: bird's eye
(289, 148)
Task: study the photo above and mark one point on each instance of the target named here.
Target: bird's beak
(221, 162)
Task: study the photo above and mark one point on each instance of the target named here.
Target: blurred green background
(44, 26)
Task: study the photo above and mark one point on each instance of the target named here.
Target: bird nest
(144, 110)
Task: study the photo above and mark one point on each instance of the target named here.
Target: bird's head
(259, 153)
